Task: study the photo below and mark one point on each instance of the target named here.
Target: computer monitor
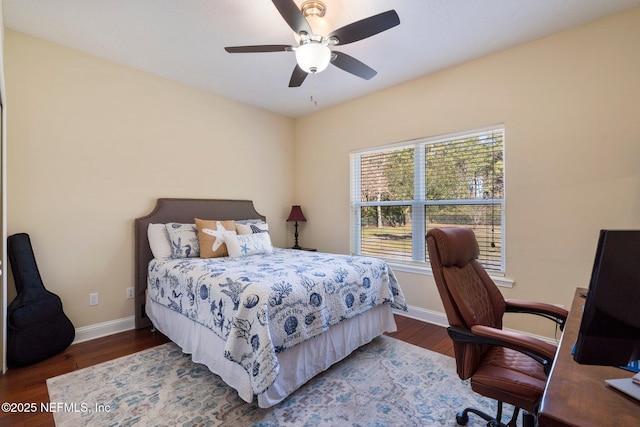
(610, 329)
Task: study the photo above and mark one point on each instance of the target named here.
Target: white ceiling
(183, 40)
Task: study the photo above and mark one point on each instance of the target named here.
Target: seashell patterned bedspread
(263, 304)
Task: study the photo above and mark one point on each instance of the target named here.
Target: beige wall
(92, 144)
(570, 104)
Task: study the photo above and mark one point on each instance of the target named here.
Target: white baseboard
(103, 329)
(424, 315)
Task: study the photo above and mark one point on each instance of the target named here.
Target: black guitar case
(37, 328)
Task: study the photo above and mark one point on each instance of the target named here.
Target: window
(398, 192)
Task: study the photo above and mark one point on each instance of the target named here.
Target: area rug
(385, 383)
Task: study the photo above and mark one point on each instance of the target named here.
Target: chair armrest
(541, 351)
(517, 341)
(549, 311)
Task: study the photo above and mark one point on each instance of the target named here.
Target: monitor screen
(610, 329)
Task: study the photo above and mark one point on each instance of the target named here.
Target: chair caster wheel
(462, 419)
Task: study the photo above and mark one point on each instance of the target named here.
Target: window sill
(416, 268)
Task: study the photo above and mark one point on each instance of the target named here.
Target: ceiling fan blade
(297, 77)
(353, 66)
(293, 16)
(366, 27)
(258, 48)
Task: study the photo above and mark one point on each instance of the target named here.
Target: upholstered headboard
(182, 211)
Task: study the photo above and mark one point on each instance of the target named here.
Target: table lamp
(297, 216)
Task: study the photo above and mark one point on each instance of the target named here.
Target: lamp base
(295, 245)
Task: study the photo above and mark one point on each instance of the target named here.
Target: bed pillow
(261, 227)
(212, 235)
(183, 239)
(159, 241)
(249, 244)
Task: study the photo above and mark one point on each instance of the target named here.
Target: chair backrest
(468, 294)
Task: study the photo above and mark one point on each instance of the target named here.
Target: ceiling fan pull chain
(313, 88)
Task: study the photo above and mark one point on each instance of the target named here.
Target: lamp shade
(296, 214)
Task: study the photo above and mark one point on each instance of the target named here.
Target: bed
(266, 320)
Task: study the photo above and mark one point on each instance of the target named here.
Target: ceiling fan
(314, 53)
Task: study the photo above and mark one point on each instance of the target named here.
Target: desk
(576, 395)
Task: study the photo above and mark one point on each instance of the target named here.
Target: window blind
(399, 192)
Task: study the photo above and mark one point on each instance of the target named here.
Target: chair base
(528, 420)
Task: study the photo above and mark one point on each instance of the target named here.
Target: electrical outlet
(93, 299)
(129, 293)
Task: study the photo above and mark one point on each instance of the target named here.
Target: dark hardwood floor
(27, 385)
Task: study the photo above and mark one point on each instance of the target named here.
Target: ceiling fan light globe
(313, 57)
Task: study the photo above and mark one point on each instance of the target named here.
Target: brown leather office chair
(506, 366)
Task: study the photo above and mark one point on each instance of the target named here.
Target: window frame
(420, 203)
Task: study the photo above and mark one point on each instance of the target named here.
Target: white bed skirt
(297, 364)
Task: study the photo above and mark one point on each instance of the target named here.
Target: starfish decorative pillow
(249, 244)
(211, 234)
